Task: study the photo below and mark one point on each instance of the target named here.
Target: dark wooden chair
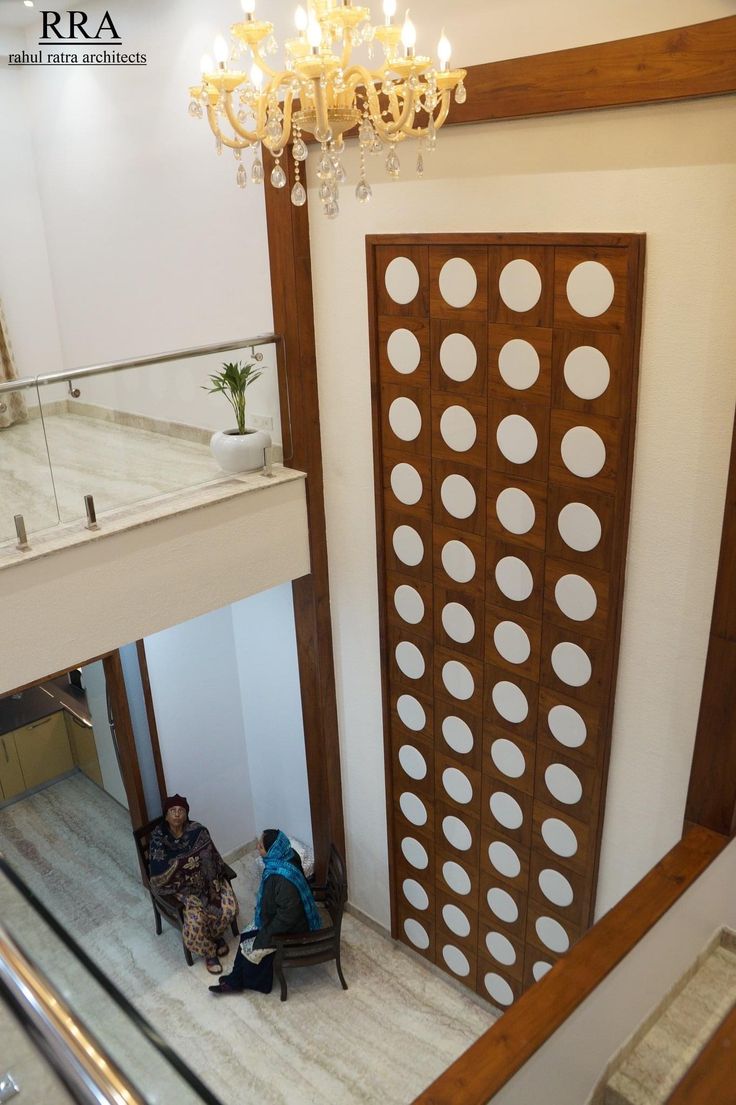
(164, 905)
(306, 948)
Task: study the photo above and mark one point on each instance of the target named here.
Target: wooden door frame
(679, 64)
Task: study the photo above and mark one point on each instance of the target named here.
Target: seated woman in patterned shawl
(285, 903)
(185, 865)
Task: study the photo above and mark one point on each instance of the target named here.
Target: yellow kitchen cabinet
(84, 749)
(11, 776)
(43, 749)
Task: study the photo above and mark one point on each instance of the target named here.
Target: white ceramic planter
(236, 452)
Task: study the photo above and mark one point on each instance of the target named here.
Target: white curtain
(12, 404)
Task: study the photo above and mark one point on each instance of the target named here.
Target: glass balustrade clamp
(8, 1087)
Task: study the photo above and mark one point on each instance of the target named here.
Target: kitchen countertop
(39, 702)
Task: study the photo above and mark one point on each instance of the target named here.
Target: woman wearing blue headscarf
(284, 904)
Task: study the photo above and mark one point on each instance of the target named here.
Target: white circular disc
(563, 784)
(458, 623)
(458, 429)
(583, 452)
(571, 664)
(415, 894)
(403, 351)
(402, 280)
(458, 357)
(515, 510)
(455, 960)
(500, 948)
(555, 887)
(590, 289)
(552, 934)
(457, 785)
(458, 561)
(508, 758)
(512, 642)
(567, 726)
(506, 810)
(408, 545)
(518, 363)
(411, 712)
(579, 526)
(515, 436)
(413, 762)
(456, 877)
(559, 837)
(409, 604)
(587, 372)
(416, 933)
(406, 484)
(457, 833)
(457, 734)
(502, 905)
(520, 285)
(514, 578)
(498, 988)
(458, 496)
(510, 701)
(405, 418)
(409, 660)
(576, 597)
(413, 808)
(540, 969)
(458, 680)
(504, 859)
(458, 282)
(456, 920)
(415, 853)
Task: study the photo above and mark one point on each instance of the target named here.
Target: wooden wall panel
(503, 446)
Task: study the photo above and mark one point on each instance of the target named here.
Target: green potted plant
(239, 449)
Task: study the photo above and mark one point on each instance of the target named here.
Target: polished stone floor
(395, 1029)
(118, 465)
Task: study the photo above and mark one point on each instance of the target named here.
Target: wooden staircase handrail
(502, 1050)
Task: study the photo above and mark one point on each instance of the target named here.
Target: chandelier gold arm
(422, 132)
(263, 65)
(385, 131)
(232, 143)
(251, 137)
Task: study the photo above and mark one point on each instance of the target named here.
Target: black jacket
(281, 911)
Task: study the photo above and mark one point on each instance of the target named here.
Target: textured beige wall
(670, 172)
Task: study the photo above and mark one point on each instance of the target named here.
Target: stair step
(651, 1067)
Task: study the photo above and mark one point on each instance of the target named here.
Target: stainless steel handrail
(136, 362)
(91, 1076)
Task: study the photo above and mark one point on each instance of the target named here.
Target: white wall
(26, 291)
(96, 684)
(669, 172)
(196, 696)
(141, 732)
(265, 649)
(225, 690)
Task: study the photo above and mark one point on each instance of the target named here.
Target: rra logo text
(77, 27)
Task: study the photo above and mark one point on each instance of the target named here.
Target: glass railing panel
(149, 1063)
(23, 1065)
(26, 480)
(134, 435)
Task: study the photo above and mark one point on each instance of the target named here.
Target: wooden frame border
(499, 1053)
(151, 718)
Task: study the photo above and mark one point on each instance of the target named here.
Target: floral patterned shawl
(185, 866)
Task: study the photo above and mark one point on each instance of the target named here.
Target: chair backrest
(142, 842)
(336, 886)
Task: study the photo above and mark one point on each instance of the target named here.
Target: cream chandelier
(406, 96)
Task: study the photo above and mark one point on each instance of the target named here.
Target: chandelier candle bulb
(444, 51)
(389, 10)
(409, 35)
(248, 6)
(301, 21)
(220, 51)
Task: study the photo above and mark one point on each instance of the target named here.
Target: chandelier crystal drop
(323, 92)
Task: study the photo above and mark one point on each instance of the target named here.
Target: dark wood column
(711, 799)
(293, 317)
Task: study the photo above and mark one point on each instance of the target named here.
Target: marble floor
(395, 1029)
(118, 464)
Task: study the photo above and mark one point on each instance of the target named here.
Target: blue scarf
(276, 862)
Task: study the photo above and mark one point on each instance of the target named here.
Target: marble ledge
(146, 513)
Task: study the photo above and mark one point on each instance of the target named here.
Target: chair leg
(340, 975)
(234, 926)
(282, 980)
(157, 915)
(187, 954)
